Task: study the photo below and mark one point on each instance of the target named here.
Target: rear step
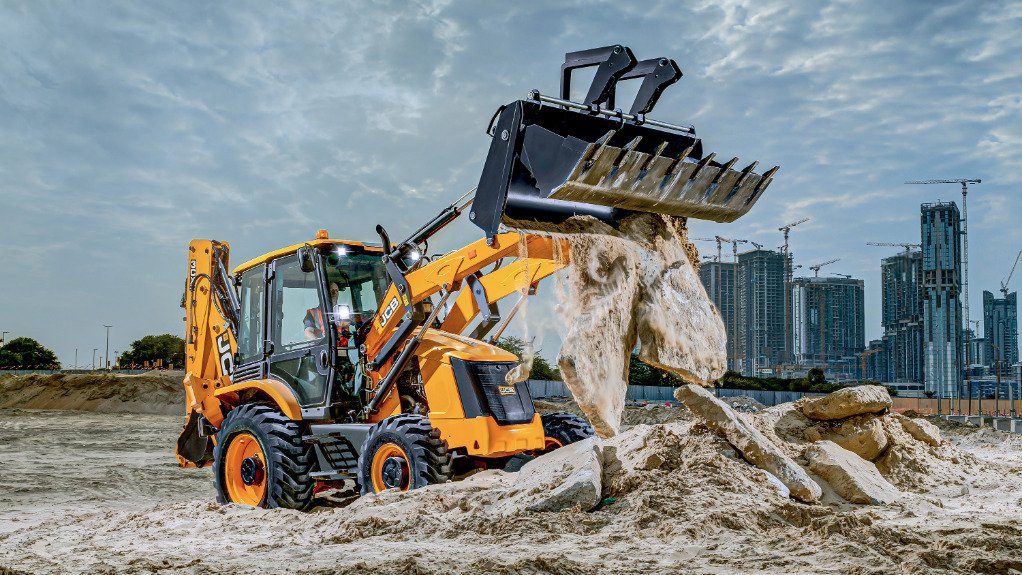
(551, 158)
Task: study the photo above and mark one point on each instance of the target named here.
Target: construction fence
(946, 406)
(541, 388)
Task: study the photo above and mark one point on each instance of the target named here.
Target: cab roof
(317, 243)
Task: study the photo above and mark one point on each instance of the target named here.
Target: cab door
(299, 333)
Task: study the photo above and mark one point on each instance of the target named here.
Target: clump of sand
(633, 286)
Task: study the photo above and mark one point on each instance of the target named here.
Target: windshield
(361, 280)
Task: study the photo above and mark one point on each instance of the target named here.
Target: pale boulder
(748, 441)
(848, 402)
(851, 477)
(921, 429)
(566, 478)
(863, 435)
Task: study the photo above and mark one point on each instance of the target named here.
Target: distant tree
(27, 352)
(640, 373)
(541, 368)
(815, 377)
(170, 348)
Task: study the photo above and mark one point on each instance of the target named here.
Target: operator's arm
(312, 332)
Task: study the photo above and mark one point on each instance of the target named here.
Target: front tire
(562, 428)
(403, 452)
(261, 460)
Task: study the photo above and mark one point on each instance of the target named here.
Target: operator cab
(301, 310)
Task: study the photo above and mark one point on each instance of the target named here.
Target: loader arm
(485, 290)
(394, 325)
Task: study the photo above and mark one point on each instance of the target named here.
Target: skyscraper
(1000, 327)
(828, 318)
(902, 317)
(760, 310)
(719, 280)
(940, 230)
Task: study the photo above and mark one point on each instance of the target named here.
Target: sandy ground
(100, 493)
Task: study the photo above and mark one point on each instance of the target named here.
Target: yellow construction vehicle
(337, 360)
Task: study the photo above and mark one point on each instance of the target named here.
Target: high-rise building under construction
(828, 320)
(719, 278)
(760, 310)
(940, 231)
(902, 318)
(1000, 330)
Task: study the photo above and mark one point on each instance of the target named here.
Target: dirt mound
(155, 392)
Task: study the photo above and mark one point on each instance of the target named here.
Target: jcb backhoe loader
(330, 361)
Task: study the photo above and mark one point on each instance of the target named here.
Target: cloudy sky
(127, 129)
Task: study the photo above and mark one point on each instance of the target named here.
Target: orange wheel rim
(245, 470)
(552, 443)
(390, 468)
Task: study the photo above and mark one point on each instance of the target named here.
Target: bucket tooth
(602, 160)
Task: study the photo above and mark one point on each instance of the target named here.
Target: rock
(848, 402)
(851, 476)
(752, 444)
(566, 478)
(921, 429)
(863, 435)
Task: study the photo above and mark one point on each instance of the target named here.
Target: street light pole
(106, 356)
(76, 358)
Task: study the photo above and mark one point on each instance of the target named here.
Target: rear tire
(563, 428)
(404, 452)
(261, 460)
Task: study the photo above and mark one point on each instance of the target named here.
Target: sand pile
(631, 286)
(661, 498)
(850, 443)
(158, 392)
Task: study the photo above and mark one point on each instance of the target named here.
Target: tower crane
(908, 247)
(787, 287)
(756, 245)
(714, 239)
(816, 268)
(1004, 284)
(964, 182)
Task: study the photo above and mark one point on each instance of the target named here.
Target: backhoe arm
(211, 316)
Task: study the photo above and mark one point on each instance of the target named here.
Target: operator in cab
(315, 326)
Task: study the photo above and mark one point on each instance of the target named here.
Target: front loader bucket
(551, 159)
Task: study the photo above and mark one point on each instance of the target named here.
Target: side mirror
(307, 259)
(342, 312)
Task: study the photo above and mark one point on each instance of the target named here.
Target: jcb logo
(389, 311)
(223, 345)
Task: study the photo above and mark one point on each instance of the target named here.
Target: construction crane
(965, 244)
(908, 247)
(863, 355)
(787, 287)
(714, 239)
(1004, 284)
(756, 245)
(846, 276)
(816, 268)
